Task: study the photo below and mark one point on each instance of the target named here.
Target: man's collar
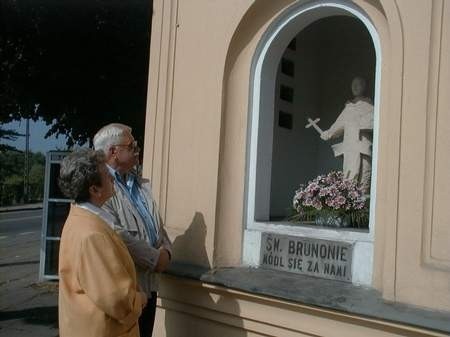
(111, 170)
(118, 176)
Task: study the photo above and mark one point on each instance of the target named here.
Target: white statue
(355, 123)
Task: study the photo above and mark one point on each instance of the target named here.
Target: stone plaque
(314, 257)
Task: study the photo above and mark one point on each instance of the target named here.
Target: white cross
(313, 123)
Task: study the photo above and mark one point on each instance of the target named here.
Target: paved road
(27, 307)
(13, 223)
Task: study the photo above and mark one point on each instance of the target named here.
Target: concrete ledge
(322, 293)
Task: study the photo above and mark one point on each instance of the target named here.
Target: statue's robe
(356, 124)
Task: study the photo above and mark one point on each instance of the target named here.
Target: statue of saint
(355, 124)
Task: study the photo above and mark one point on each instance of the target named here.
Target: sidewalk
(27, 307)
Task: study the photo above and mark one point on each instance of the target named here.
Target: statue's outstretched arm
(335, 130)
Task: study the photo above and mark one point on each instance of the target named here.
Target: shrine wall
(423, 260)
(196, 147)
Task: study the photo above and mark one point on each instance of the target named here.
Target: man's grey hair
(109, 135)
(79, 171)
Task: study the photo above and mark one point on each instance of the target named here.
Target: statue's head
(358, 86)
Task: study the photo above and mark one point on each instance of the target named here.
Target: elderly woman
(98, 291)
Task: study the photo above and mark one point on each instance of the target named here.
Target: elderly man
(135, 214)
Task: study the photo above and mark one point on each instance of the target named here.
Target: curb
(20, 208)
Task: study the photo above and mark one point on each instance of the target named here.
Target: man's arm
(165, 241)
(163, 260)
(165, 248)
(143, 254)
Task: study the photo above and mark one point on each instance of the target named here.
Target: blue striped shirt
(130, 185)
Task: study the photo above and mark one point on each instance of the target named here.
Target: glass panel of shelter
(55, 210)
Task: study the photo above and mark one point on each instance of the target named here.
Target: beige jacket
(98, 291)
(129, 225)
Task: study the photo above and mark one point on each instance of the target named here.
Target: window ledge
(326, 233)
(335, 295)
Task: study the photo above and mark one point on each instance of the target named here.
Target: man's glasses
(133, 146)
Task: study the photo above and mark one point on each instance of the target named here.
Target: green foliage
(12, 177)
(7, 134)
(12, 190)
(36, 180)
(12, 163)
(76, 64)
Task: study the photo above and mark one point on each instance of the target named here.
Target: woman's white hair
(109, 135)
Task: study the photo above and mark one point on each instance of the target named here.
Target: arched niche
(269, 166)
(235, 243)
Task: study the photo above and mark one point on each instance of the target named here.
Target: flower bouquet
(332, 200)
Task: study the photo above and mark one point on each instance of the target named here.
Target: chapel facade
(253, 103)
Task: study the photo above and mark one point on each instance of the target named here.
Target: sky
(38, 143)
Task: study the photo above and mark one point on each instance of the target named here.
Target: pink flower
(331, 191)
(317, 205)
(323, 192)
(308, 202)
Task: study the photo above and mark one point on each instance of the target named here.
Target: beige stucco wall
(196, 133)
(185, 142)
(189, 308)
